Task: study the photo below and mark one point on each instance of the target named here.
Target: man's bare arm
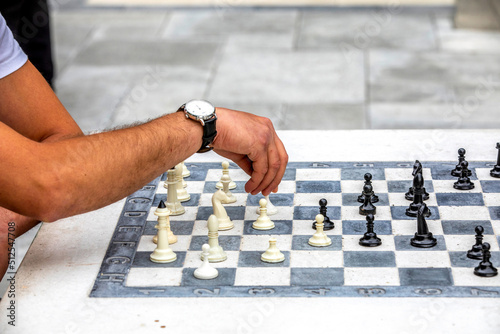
(51, 180)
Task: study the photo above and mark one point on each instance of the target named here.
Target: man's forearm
(80, 174)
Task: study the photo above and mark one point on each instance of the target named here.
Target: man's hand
(252, 143)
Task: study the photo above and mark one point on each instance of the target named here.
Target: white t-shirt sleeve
(12, 56)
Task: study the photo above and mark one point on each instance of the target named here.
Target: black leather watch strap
(209, 133)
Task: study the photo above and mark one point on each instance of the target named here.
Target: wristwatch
(203, 112)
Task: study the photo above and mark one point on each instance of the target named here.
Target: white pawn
(225, 171)
(182, 194)
(184, 183)
(216, 253)
(163, 216)
(272, 254)
(220, 212)
(206, 271)
(173, 203)
(320, 239)
(163, 253)
(185, 171)
(271, 209)
(263, 222)
(225, 179)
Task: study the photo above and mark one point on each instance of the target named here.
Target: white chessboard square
(446, 186)
(154, 277)
(317, 174)
(496, 226)
(146, 243)
(371, 276)
(241, 199)
(261, 242)
(308, 199)
(394, 174)
(304, 227)
(287, 187)
(235, 174)
(462, 243)
(316, 259)
(195, 187)
(352, 213)
(200, 228)
(484, 174)
(262, 276)
(193, 260)
(354, 187)
(491, 199)
(423, 259)
(464, 213)
(189, 214)
(466, 277)
(284, 213)
(161, 188)
(351, 243)
(409, 227)
(398, 199)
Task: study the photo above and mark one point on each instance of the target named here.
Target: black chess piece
(327, 223)
(368, 180)
(495, 172)
(485, 268)
(458, 168)
(367, 207)
(464, 182)
(410, 193)
(476, 252)
(370, 238)
(418, 192)
(423, 238)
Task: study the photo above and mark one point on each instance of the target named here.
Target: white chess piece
(182, 194)
(164, 216)
(320, 239)
(271, 209)
(206, 271)
(185, 171)
(162, 253)
(225, 171)
(225, 222)
(272, 254)
(225, 179)
(173, 203)
(216, 253)
(263, 222)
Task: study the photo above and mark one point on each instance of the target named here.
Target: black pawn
(476, 252)
(368, 180)
(367, 207)
(423, 238)
(458, 168)
(485, 268)
(327, 223)
(418, 192)
(464, 182)
(495, 172)
(370, 238)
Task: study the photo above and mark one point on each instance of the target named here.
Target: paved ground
(305, 69)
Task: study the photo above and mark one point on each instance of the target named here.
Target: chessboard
(343, 269)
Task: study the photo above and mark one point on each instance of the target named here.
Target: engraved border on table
(116, 264)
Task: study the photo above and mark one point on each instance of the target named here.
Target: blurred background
(306, 64)
(310, 64)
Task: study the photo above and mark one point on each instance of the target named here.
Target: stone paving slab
(288, 76)
(382, 28)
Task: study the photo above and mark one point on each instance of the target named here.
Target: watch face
(200, 108)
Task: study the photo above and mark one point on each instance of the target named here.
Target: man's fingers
(260, 168)
(274, 164)
(283, 161)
